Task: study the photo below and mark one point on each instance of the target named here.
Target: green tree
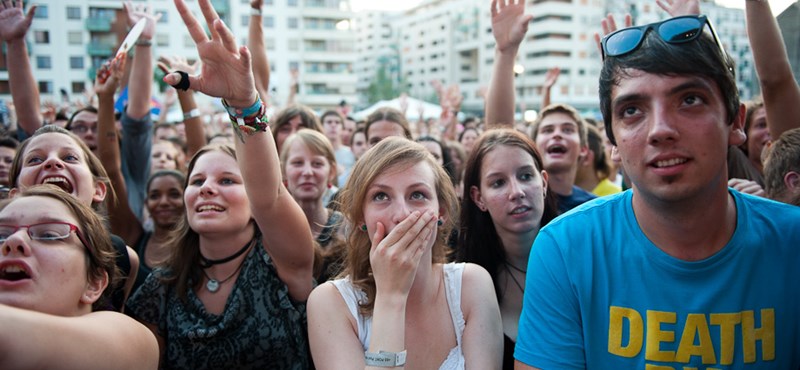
(383, 86)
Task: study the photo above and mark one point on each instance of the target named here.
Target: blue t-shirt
(600, 295)
(578, 197)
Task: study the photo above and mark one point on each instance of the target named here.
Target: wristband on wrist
(143, 42)
(194, 113)
(243, 112)
(252, 124)
(255, 11)
(385, 359)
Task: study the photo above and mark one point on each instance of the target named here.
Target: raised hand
(509, 23)
(747, 187)
(109, 76)
(551, 77)
(141, 11)
(226, 71)
(395, 257)
(677, 8)
(13, 22)
(609, 25)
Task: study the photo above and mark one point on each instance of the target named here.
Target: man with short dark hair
(782, 168)
(681, 271)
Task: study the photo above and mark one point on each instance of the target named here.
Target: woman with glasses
(56, 265)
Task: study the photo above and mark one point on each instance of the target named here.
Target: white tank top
(452, 287)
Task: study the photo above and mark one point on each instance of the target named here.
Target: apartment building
(789, 23)
(69, 39)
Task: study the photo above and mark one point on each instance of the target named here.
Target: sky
(777, 5)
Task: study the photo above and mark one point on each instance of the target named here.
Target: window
(188, 41)
(41, 37)
(162, 39)
(294, 45)
(43, 62)
(268, 21)
(75, 37)
(45, 87)
(269, 43)
(76, 62)
(268, 2)
(293, 23)
(164, 16)
(73, 12)
(78, 87)
(291, 2)
(294, 66)
(41, 12)
(245, 20)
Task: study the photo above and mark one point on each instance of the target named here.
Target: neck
(561, 181)
(219, 246)
(690, 230)
(316, 214)
(518, 246)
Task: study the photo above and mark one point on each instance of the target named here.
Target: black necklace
(516, 282)
(516, 268)
(206, 263)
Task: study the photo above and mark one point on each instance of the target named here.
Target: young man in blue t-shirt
(680, 272)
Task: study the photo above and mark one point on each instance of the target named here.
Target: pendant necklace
(516, 282)
(213, 284)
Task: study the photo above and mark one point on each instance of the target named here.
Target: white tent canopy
(430, 110)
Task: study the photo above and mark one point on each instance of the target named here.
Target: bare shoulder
(476, 286)
(326, 302)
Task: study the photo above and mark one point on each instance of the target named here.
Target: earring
(439, 222)
(364, 227)
(330, 185)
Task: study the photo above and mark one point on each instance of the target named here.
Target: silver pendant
(212, 285)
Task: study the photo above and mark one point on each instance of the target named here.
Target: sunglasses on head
(676, 30)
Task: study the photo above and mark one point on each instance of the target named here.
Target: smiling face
(53, 158)
(559, 140)
(47, 276)
(307, 173)
(215, 198)
(512, 190)
(165, 200)
(672, 135)
(398, 192)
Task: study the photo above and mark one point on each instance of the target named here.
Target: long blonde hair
(390, 154)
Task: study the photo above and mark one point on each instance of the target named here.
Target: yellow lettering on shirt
(655, 335)
(696, 327)
(617, 316)
(727, 323)
(765, 334)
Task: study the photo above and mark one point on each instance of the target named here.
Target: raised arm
(140, 83)
(122, 219)
(192, 119)
(255, 41)
(780, 91)
(92, 341)
(14, 24)
(227, 73)
(509, 25)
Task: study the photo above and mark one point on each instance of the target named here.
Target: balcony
(91, 73)
(99, 49)
(98, 24)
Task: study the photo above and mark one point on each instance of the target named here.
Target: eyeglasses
(83, 129)
(676, 30)
(47, 231)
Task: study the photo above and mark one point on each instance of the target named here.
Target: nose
(400, 212)
(515, 190)
(16, 243)
(53, 162)
(207, 188)
(662, 127)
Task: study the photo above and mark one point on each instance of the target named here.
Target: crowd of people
(663, 236)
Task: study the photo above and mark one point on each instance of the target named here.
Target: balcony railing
(98, 24)
(98, 49)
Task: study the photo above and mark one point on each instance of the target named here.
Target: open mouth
(59, 181)
(670, 162)
(556, 149)
(13, 273)
(520, 209)
(209, 208)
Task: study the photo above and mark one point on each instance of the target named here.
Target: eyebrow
(695, 83)
(40, 220)
(416, 184)
(525, 167)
